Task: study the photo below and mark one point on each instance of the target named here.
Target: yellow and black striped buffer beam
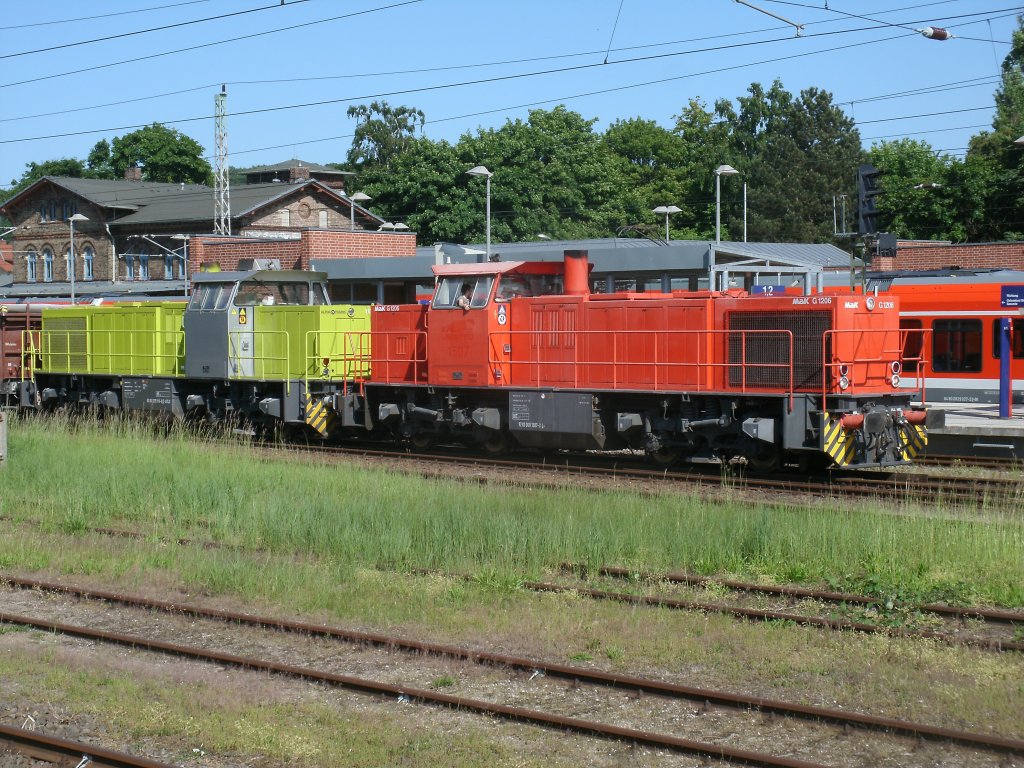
(915, 440)
(318, 415)
(837, 442)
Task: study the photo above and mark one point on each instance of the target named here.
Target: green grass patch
(75, 475)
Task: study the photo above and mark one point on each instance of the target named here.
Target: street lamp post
(358, 197)
(482, 171)
(720, 171)
(668, 210)
(71, 251)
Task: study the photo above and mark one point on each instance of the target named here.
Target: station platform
(978, 430)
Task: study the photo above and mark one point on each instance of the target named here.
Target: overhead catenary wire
(97, 16)
(50, 48)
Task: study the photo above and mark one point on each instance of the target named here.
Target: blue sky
(475, 64)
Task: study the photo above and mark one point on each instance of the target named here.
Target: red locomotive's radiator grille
(760, 359)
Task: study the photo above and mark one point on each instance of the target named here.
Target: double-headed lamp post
(482, 171)
(71, 251)
(357, 198)
(720, 171)
(668, 210)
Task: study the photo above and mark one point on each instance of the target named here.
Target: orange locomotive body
(520, 353)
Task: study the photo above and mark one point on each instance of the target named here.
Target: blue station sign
(1011, 295)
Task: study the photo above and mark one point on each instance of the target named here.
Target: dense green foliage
(366, 518)
(164, 154)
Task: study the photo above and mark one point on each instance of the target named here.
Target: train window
(320, 294)
(1016, 339)
(451, 288)
(210, 296)
(913, 343)
(956, 345)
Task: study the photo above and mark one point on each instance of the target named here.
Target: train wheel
(664, 457)
(765, 461)
(422, 441)
(496, 445)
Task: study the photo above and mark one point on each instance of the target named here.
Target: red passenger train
(536, 360)
(952, 322)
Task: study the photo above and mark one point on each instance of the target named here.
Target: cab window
(253, 293)
(210, 296)
(477, 287)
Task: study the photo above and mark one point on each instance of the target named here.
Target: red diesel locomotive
(536, 360)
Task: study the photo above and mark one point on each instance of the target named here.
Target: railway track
(574, 675)
(64, 752)
(900, 486)
(990, 642)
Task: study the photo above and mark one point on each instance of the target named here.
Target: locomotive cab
(470, 318)
(222, 320)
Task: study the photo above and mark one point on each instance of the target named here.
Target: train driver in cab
(465, 297)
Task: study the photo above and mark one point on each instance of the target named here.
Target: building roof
(144, 202)
(294, 163)
(623, 257)
(113, 193)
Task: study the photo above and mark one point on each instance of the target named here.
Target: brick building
(930, 254)
(137, 235)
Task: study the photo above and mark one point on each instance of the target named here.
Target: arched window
(168, 266)
(129, 266)
(143, 266)
(88, 254)
(30, 265)
(47, 264)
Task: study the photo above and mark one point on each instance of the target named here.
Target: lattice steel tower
(221, 189)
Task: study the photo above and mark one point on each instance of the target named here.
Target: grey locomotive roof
(296, 163)
(272, 275)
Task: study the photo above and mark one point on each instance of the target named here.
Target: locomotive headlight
(844, 383)
(870, 303)
(844, 371)
(896, 368)
(895, 379)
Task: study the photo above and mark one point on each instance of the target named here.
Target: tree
(98, 161)
(657, 170)
(919, 200)
(163, 153)
(994, 157)
(382, 133)
(795, 154)
(66, 166)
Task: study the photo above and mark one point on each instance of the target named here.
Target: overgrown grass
(74, 475)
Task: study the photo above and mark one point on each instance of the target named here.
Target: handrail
(887, 356)
(259, 361)
(113, 357)
(621, 341)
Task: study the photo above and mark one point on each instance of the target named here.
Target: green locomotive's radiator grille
(66, 344)
(762, 360)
